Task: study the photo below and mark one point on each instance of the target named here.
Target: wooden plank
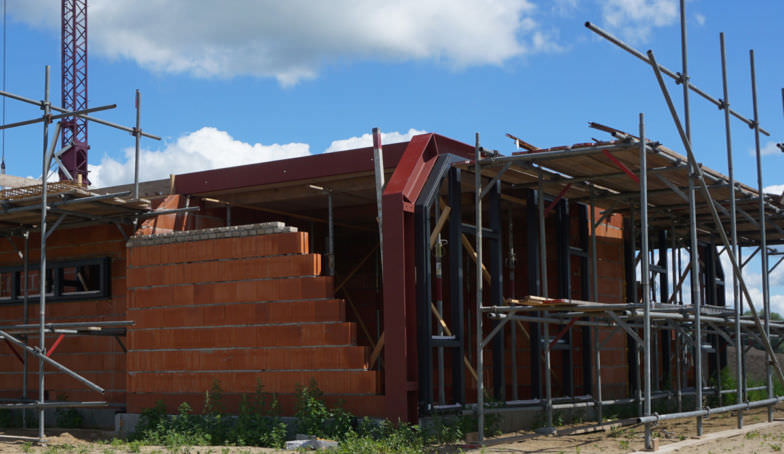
(11, 181)
(376, 351)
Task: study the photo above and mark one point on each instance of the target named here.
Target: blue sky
(241, 81)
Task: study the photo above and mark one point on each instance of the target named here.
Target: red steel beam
(561, 334)
(55, 345)
(13, 350)
(621, 166)
(285, 170)
(557, 199)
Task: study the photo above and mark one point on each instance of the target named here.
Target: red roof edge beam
(400, 324)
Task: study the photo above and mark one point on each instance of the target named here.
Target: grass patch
(259, 424)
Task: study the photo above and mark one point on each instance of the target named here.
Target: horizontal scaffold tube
(710, 411)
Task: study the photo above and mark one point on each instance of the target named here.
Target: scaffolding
(674, 210)
(44, 208)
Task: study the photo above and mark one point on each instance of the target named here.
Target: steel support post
(676, 271)
(763, 239)
(534, 288)
(480, 389)
(424, 299)
(645, 280)
(512, 261)
(595, 297)
(548, 391)
(585, 294)
(330, 236)
(564, 289)
(439, 250)
(496, 269)
(456, 284)
(664, 335)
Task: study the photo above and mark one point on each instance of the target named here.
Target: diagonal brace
(51, 362)
(626, 328)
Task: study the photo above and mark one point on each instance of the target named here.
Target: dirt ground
(611, 440)
(616, 440)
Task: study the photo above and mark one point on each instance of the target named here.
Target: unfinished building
(443, 276)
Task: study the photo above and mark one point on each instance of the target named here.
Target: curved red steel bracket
(400, 194)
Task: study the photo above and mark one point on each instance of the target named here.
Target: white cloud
(700, 19)
(752, 276)
(211, 148)
(775, 189)
(207, 148)
(291, 40)
(769, 148)
(366, 140)
(635, 19)
(564, 7)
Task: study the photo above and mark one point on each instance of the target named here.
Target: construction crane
(74, 86)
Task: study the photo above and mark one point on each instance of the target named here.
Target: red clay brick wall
(609, 246)
(243, 307)
(98, 358)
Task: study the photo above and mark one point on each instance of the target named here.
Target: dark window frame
(55, 270)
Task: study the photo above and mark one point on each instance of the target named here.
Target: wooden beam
(374, 355)
(472, 254)
(440, 225)
(356, 268)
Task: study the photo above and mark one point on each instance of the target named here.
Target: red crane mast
(74, 86)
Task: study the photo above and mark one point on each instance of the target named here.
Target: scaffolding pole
(740, 378)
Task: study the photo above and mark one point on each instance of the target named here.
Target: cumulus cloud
(775, 189)
(635, 19)
(700, 18)
(366, 140)
(770, 148)
(291, 40)
(211, 148)
(207, 148)
(752, 276)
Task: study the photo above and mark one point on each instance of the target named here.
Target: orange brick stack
(242, 305)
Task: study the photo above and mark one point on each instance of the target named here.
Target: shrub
(315, 418)
(257, 424)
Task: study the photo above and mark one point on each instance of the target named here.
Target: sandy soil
(612, 440)
(616, 440)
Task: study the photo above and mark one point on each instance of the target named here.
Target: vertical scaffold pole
(548, 386)
(26, 317)
(676, 272)
(763, 239)
(137, 134)
(480, 388)
(733, 230)
(597, 356)
(378, 166)
(645, 279)
(42, 276)
(512, 294)
(695, 281)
